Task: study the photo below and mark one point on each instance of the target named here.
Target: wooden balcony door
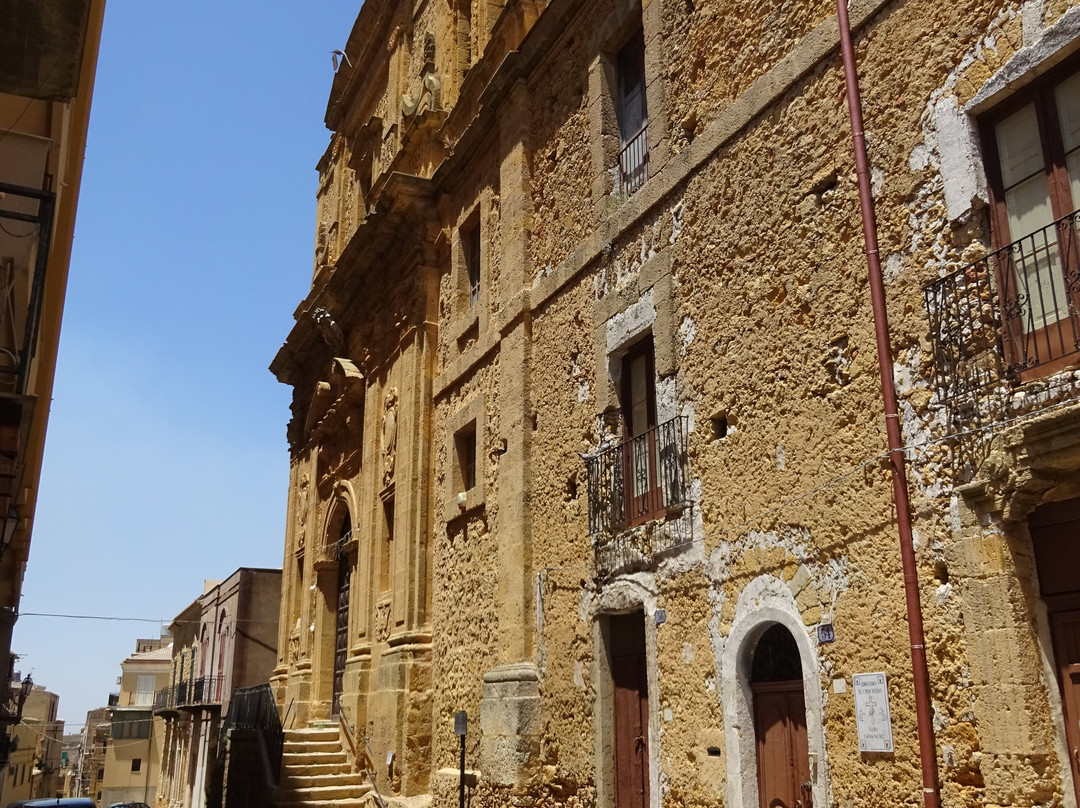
(640, 478)
(1033, 146)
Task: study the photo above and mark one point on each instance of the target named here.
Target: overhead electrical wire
(718, 533)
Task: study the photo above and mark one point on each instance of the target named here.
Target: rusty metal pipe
(897, 463)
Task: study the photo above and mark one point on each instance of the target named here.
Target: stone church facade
(587, 435)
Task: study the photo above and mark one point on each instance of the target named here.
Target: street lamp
(8, 526)
(24, 691)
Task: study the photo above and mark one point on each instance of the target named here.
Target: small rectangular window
(144, 691)
(632, 113)
(136, 764)
(470, 253)
(388, 544)
(1032, 145)
(465, 445)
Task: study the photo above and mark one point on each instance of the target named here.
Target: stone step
(316, 733)
(305, 781)
(315, 796)
(313, 770)
(312, 746)
(353, 803)
(345, 791)
(313, 758)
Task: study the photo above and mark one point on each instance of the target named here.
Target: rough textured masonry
(587, 433)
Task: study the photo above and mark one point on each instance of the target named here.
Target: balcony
(634, 162)
(201, 692)
(632, 484)
(1011, 315)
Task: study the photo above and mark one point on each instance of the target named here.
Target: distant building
(33, 768)
(71, 759)
(224, 640)
(133, 751)
(95, 742)
(48, 57)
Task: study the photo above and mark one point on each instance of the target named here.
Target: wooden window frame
(631, 54)
(636, 507)
(1039, 92)
(643, 347)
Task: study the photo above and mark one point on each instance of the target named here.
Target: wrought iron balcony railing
(190, 693)
(1012, 314)
(634, 162)
(633, 483)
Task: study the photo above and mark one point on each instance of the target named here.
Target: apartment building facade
(33, 767)
(587, 436)
(48, 59)
(224, 640)
(132, 763)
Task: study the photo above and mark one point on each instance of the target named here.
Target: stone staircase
(315, 772)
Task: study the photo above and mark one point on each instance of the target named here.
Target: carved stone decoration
(302, 494)
(389, 434)
(387, 149)
(322, 247)
(382, 621)
(430, 85)
(393, 40)
(329, 330)
(430, 97)
(294, 647)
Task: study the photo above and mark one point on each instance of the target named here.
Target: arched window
(783, 759)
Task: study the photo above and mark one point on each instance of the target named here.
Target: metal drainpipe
(927, 752)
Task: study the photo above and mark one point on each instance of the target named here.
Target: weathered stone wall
(742, 257)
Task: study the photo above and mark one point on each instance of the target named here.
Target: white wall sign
(872, 712)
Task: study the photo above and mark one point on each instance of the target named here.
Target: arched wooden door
(783, 757)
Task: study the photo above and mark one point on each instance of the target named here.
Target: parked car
(129, 805)
(70, 802)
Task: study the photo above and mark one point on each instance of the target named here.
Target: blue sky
(166, 461)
